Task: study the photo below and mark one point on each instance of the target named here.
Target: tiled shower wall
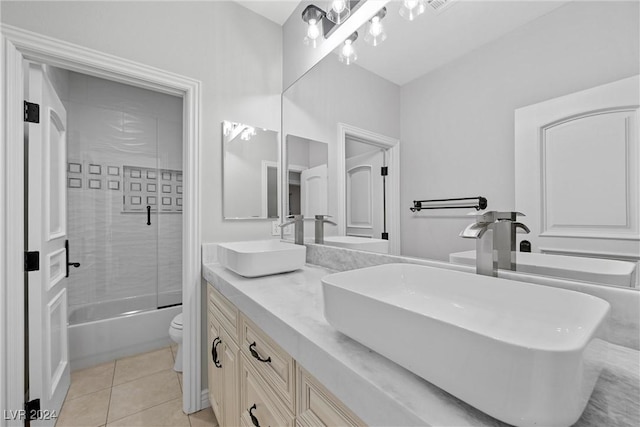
(113, 129)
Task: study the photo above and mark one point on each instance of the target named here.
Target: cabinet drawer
(278, 370)
(256, 398)
(318, 407)
(227, 314)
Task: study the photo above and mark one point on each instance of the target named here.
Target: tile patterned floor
(141, 390)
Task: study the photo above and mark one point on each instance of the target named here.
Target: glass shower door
(170, 202)
(124, 198)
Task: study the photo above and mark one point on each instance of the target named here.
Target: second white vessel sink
(595, 270)
(261, 257)
(528, 355)
(360, 243)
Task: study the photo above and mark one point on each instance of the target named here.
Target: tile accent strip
(141, 184)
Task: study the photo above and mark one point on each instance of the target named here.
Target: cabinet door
(271, 361)
(317, 407)
(214, 365)
(230, 391)
(258, 401)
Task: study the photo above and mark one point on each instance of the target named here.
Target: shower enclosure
(124, 200)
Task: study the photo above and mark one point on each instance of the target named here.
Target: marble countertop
(289, 308)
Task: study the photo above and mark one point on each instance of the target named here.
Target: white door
(577, 181)
(49, 375)
(365, 209)
(313, 191)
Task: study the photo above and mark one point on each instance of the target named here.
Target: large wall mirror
(250, 172)
(447, 87)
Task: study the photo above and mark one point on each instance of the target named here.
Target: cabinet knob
(214, 352)
(254, 419)
(255, 354)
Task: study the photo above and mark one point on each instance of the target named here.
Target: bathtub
(106, 331)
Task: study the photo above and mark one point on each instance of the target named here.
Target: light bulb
(348, 52)
(338, 5)
(338, 11)
(313, 33)
(375, 32)
(375, 29)
(411, 9)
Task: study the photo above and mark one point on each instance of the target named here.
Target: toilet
(175, 332)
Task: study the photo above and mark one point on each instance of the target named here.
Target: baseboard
(204, 399)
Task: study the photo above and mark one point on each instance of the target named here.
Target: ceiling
(433, 39)
(277, 11)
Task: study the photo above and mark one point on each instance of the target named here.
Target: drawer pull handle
(255, 354)
(214, 352)
(254, 419)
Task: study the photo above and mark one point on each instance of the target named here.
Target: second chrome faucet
(495, 234)
(298, 222)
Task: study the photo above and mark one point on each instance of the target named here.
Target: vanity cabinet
(222, 318)
(214, 371)
(258, 401)
(256, 382)
(273, 364)
(316, 406)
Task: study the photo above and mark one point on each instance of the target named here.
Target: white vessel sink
(609, 272)
(528, 355)
(261, 257)
(359, 243)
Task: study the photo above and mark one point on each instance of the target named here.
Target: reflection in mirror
(469, 90)
(307, 162)
(307, 180)
(366, 195)
(250, 171)
(364, 189)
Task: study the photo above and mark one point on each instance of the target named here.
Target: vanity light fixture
(348, 52)
(313, 16)
(247, 133)
(338, 11)
(321, 23)
(375, 33)
(411, 9)
(233, 130)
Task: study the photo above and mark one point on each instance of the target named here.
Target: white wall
(355, 148)
(306, 152)
(240, 70)
(458, 121)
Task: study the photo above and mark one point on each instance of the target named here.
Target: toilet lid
(177, 321)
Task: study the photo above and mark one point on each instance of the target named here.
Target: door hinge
(32, 408)
(31, 112)
(384, 170)
(32, 261)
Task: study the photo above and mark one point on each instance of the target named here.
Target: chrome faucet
(504, 239)
(495, 234)
(298, 221)
(320, 221)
